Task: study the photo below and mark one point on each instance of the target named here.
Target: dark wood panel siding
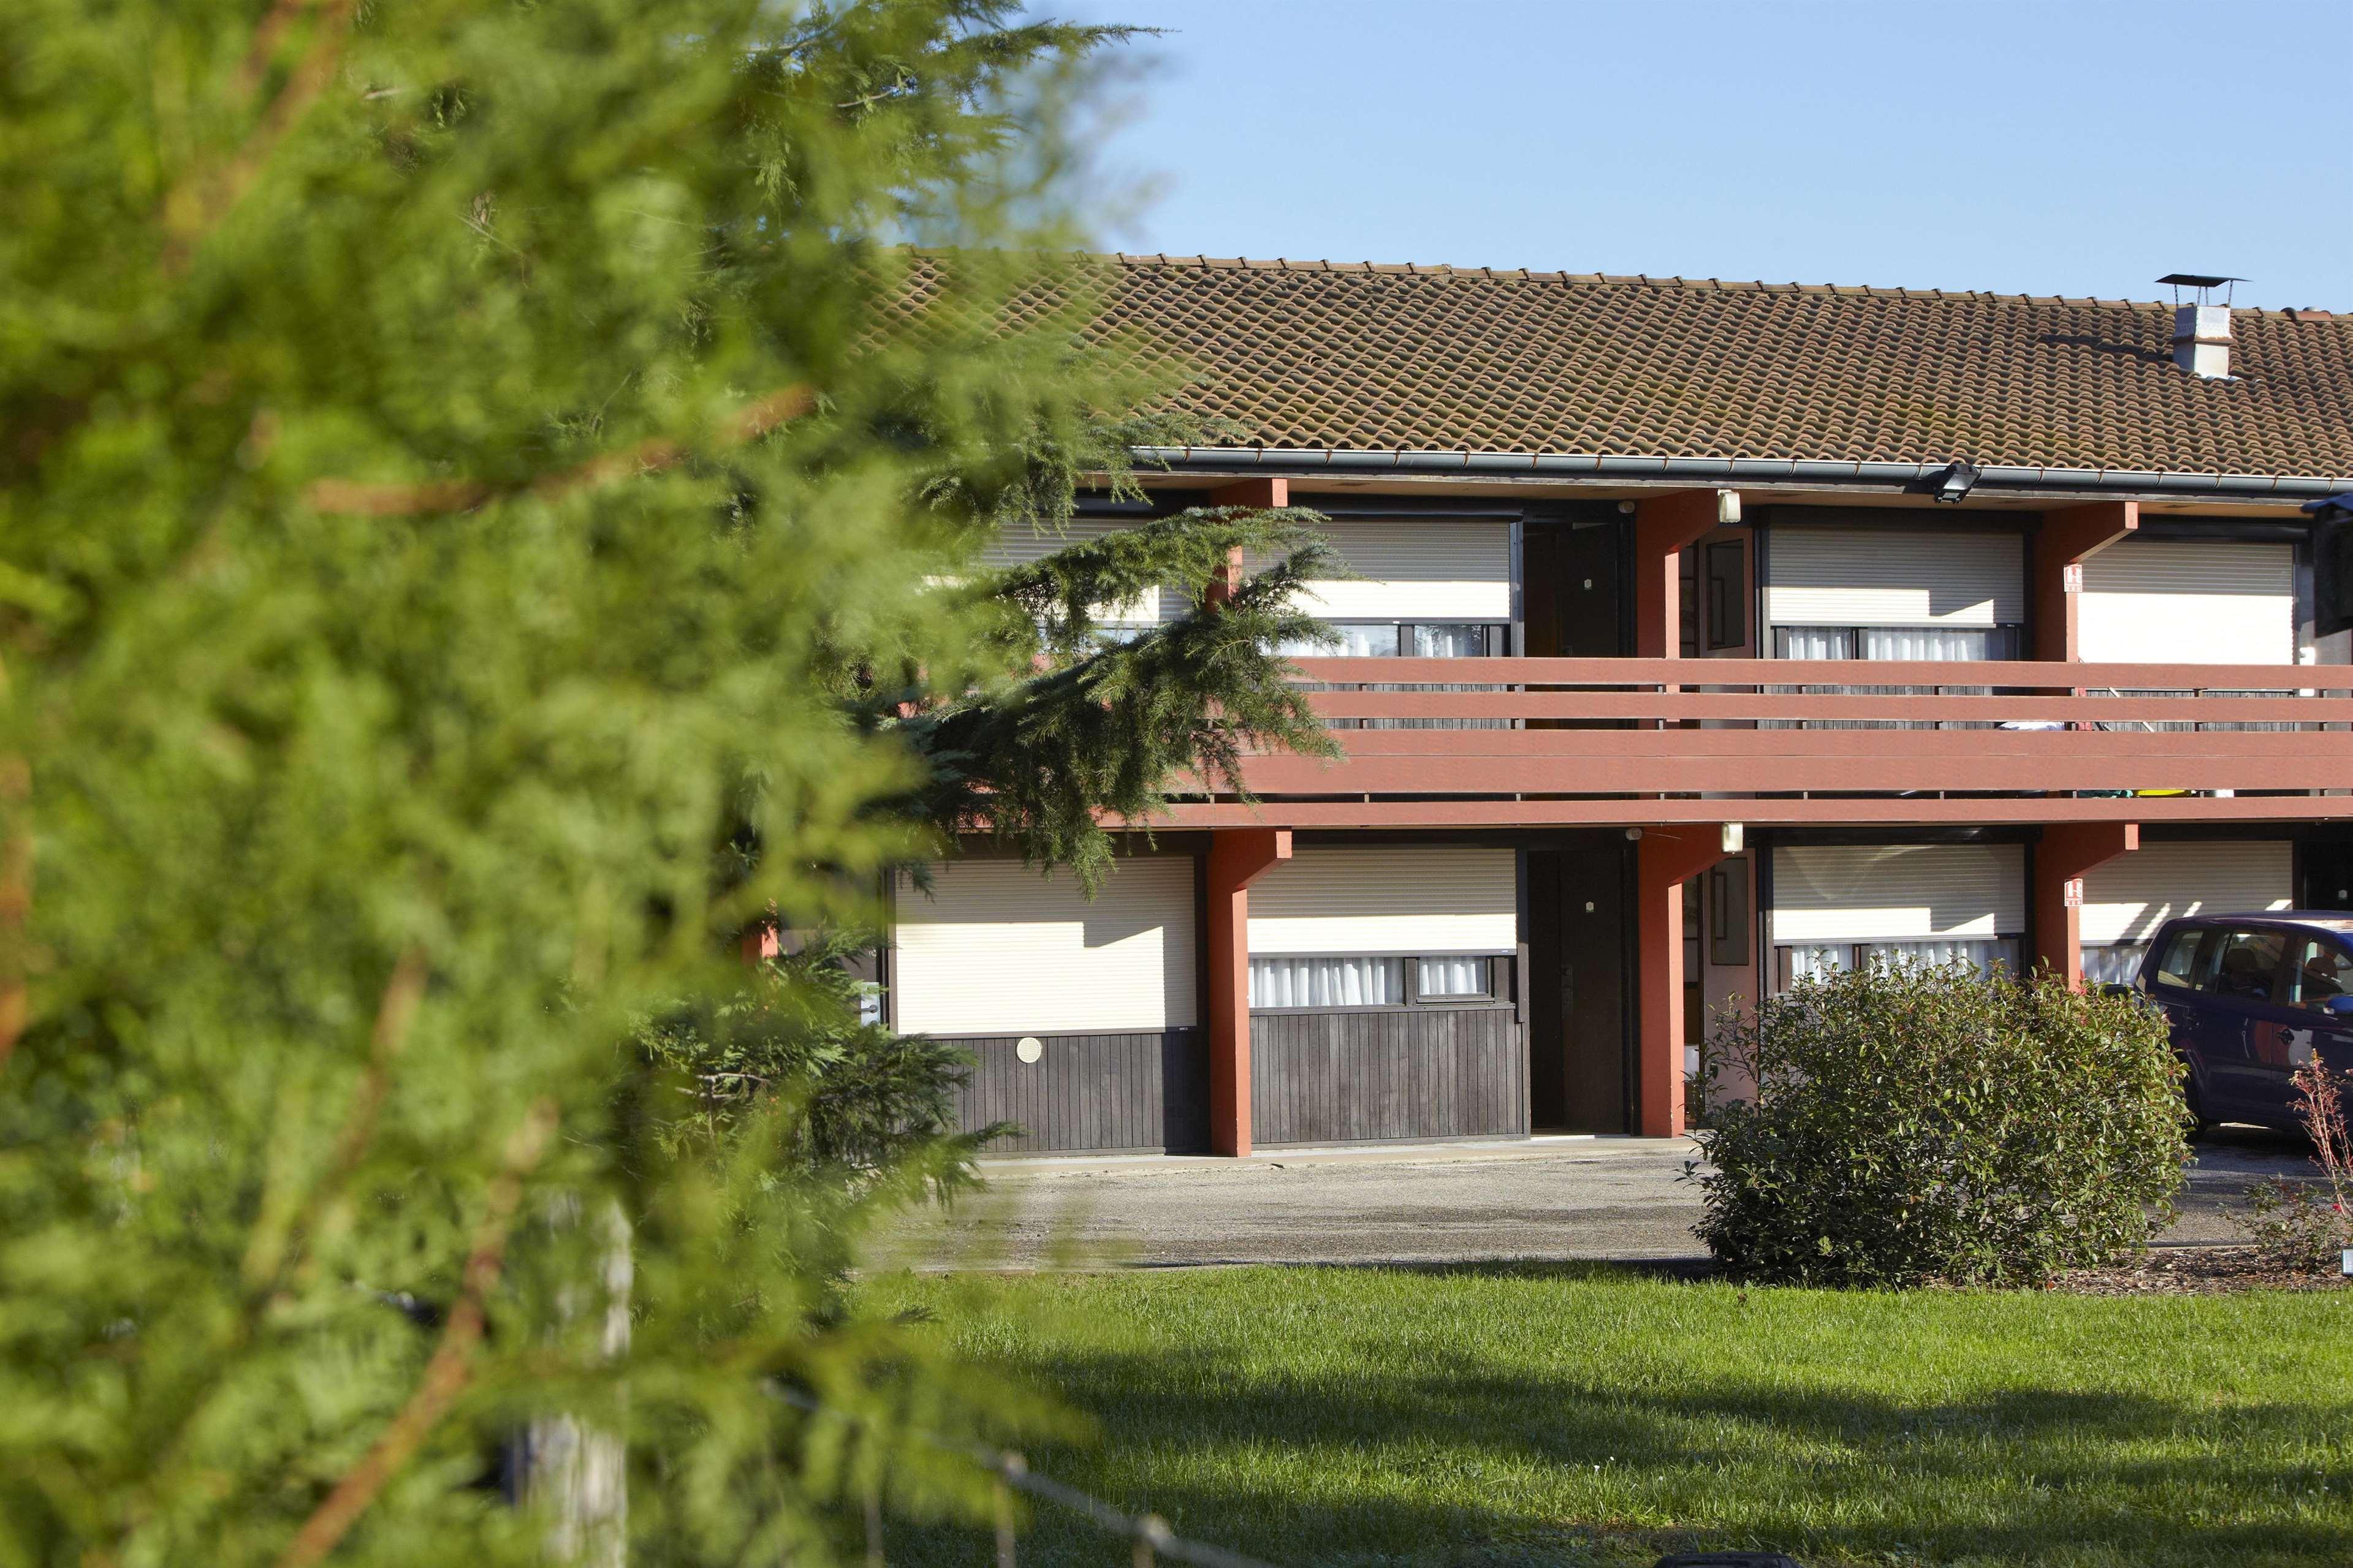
(1354, 1077)
(1144, 1092)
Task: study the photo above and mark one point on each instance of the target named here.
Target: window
(1411, 639)
(1450, 642)
(1453, 979)
(2116, 964)
(1727, 913)
(2323, 971)
(1356, 641)
(1963, 645)
(1727, 594)
(1984, 953)
(1369, 981)
(2180, 964)
(1957, 644)
(2246, 965)
(1326, 982)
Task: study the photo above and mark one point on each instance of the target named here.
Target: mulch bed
(2193, 1271)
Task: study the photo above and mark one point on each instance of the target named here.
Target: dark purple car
(2251, 998)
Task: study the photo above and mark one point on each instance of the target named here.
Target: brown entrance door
(1570, 575)
(1579, 1049)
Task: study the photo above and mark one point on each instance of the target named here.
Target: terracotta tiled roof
(1318, 355)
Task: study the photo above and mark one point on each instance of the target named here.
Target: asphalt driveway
(1548, 1200)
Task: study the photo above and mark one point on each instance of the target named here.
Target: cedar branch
(358, 498)
(15, 900)
(447, 1373)
(196, 208)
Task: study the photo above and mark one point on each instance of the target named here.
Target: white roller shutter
(1894, 577)
(2189, 602)
(1418, 570)
(1895, 892)
(2128, 898)
(1423, 899)
(1020, 546)
(997, 949)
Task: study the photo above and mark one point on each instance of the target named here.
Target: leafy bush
(1902, 1123)
(869, 1097)
(2298, 1226)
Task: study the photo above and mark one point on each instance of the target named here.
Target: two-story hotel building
(1622, 548)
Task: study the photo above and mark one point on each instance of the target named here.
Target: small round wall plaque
(1030, 1048)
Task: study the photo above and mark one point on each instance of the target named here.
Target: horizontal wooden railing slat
(1905, 706)
(1830, 672)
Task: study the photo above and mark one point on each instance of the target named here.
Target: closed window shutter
(1020, 546)
(2166, 601)
(1894, 577)
(1435, 569)
(1896, 892)
(997, 949)
(1425, 899)
(2125, 899)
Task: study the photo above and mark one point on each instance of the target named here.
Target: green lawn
(1383, 1416)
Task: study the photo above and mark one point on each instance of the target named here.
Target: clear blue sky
(2062, 147)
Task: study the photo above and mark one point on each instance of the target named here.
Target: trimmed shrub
(1902, 1123)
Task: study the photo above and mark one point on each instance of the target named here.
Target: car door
(2171, 979)
(2238, 1015)
(2320, 996)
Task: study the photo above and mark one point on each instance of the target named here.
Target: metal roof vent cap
(2201, 330)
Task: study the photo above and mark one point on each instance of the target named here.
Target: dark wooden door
(1578, 1014)
(1573, 604)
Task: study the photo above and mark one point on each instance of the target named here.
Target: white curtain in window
(2114, 963)
(1985, 954)
(1451, 977)
(1356, 641)
(1966, 643)
(1810, 963)
(1813, 642)
(1326, 982)
(1450, 642)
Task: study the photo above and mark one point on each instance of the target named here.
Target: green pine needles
(489, 509)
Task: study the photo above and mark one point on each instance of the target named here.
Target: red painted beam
(1253, 495)
(2067, 538)
(1664, 525)
(1236, 858)
(2065, 852)
(1664, 860)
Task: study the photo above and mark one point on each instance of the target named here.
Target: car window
(2246, 965)
(2177, 964)
(2323, 970)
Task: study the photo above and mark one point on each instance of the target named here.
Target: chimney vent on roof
(2201, 328)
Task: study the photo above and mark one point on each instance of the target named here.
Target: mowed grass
(1398, 1417)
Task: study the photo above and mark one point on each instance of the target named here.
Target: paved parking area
(1550, 1200)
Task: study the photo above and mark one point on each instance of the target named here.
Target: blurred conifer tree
(489, 508)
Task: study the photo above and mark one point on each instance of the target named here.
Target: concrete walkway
(1543, 1199)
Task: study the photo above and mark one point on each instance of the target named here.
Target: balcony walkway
(1553, 741)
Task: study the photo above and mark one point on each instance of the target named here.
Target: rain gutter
(1780, 472)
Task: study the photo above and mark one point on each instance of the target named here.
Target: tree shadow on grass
(1456, 1465)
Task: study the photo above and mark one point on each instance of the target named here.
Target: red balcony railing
(1559, 730)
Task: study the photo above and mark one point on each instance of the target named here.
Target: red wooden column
(1258, 495)
(1238, 856)
(1665, 526)
(2069, 537)
(2068, 850)
(1664, 860)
